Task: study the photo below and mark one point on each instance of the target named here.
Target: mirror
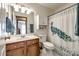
(23, 23)
(18, 22)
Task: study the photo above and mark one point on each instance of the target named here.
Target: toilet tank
(42, 38)
(42, 35)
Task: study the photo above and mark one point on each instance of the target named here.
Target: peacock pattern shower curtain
(62, 32)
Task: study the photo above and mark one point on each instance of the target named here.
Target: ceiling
(53, 5)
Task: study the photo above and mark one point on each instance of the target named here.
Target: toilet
(47, 47)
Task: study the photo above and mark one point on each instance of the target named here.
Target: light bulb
(16, 7)
(23, 9)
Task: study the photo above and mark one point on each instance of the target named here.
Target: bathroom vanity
(27, 46)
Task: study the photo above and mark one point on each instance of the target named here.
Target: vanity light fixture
(17, 7)
(29, 11)
(22, 9)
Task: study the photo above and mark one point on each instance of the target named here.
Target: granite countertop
(14, 39)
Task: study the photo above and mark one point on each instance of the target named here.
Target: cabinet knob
(15, 46)
(33, 42)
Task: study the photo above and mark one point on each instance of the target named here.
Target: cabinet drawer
(30, 42)
(15, 45)
(36, 41)
(16, 52)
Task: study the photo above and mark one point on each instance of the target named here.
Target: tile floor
(48, 53)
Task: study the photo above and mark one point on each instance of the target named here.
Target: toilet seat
(48, 45)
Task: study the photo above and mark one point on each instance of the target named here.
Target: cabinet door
(16, 52)
(33, 50)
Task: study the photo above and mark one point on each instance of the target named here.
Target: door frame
(20, 20)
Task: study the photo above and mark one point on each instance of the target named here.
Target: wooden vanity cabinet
(15, 49)
(33, 48)
(25, 48)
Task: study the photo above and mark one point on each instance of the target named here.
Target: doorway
(21, 25)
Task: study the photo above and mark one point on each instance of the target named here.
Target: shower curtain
(77, 22)
(2, 29)
(64, 22)
(2, 18)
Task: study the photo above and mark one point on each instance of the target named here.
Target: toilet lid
(48, 44)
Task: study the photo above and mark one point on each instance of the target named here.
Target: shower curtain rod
(62, 10)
